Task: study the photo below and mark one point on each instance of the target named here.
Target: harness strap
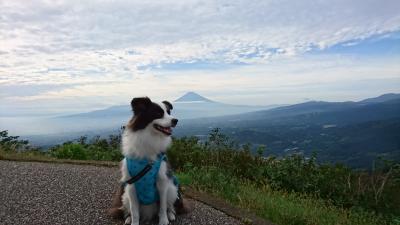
(137, 177)
(143, 172)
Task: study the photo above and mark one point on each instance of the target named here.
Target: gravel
(45, 193)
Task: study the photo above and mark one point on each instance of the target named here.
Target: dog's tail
(182, 206)
(116, 210)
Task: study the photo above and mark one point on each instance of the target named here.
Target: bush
(70, 151)
(12, 143)
(95, 149)
(338, 184)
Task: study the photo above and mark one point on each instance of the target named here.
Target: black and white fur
(146, 135)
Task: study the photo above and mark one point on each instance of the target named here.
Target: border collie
(144, 141)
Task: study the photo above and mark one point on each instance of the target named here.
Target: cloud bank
(116, 49)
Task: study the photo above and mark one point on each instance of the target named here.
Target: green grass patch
(33, 156)
(24, 155)
(280, 207)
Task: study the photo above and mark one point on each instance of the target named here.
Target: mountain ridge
(382, 98)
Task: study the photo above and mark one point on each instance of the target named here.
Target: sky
(66, 56)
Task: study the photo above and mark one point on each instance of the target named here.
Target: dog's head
(152, 117)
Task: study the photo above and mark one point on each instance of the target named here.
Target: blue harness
(146, 188)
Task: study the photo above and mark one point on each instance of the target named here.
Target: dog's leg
(133, 204)
(130, 191)
(162, 186)
(172, 196)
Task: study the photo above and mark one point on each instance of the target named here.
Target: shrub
(12, 143)
(95, 149)
(70, 151)
(367, 190)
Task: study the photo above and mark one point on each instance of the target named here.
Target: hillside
(354, 133)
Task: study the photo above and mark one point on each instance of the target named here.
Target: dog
(145, 140)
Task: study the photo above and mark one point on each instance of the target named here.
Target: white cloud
(101, 48)
(196, 29)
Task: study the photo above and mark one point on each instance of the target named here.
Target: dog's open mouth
(165, 130)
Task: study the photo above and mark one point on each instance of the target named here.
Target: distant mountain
(325, 112)
(190, 105)
(354, 133)
(113, 111)
(309, 113)
(382, 98)
(192, 97)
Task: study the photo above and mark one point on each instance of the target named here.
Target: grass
(35, 156)
(276, 206)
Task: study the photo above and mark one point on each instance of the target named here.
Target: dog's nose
(174, 122)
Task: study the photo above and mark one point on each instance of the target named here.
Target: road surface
(45, 193)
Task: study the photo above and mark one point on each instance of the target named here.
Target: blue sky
(72, 56)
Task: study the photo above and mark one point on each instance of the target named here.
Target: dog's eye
(160, 114)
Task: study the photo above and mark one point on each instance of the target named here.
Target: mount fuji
(192, 105)
(192, 97)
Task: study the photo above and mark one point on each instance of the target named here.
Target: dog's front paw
(163, 220)
(128, 221)
(171, 216)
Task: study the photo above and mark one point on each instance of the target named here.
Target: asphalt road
(45, 193)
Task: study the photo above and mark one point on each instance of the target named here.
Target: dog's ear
(168, 105)
(140, 104)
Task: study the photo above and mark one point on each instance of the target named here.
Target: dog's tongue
(168, 129)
